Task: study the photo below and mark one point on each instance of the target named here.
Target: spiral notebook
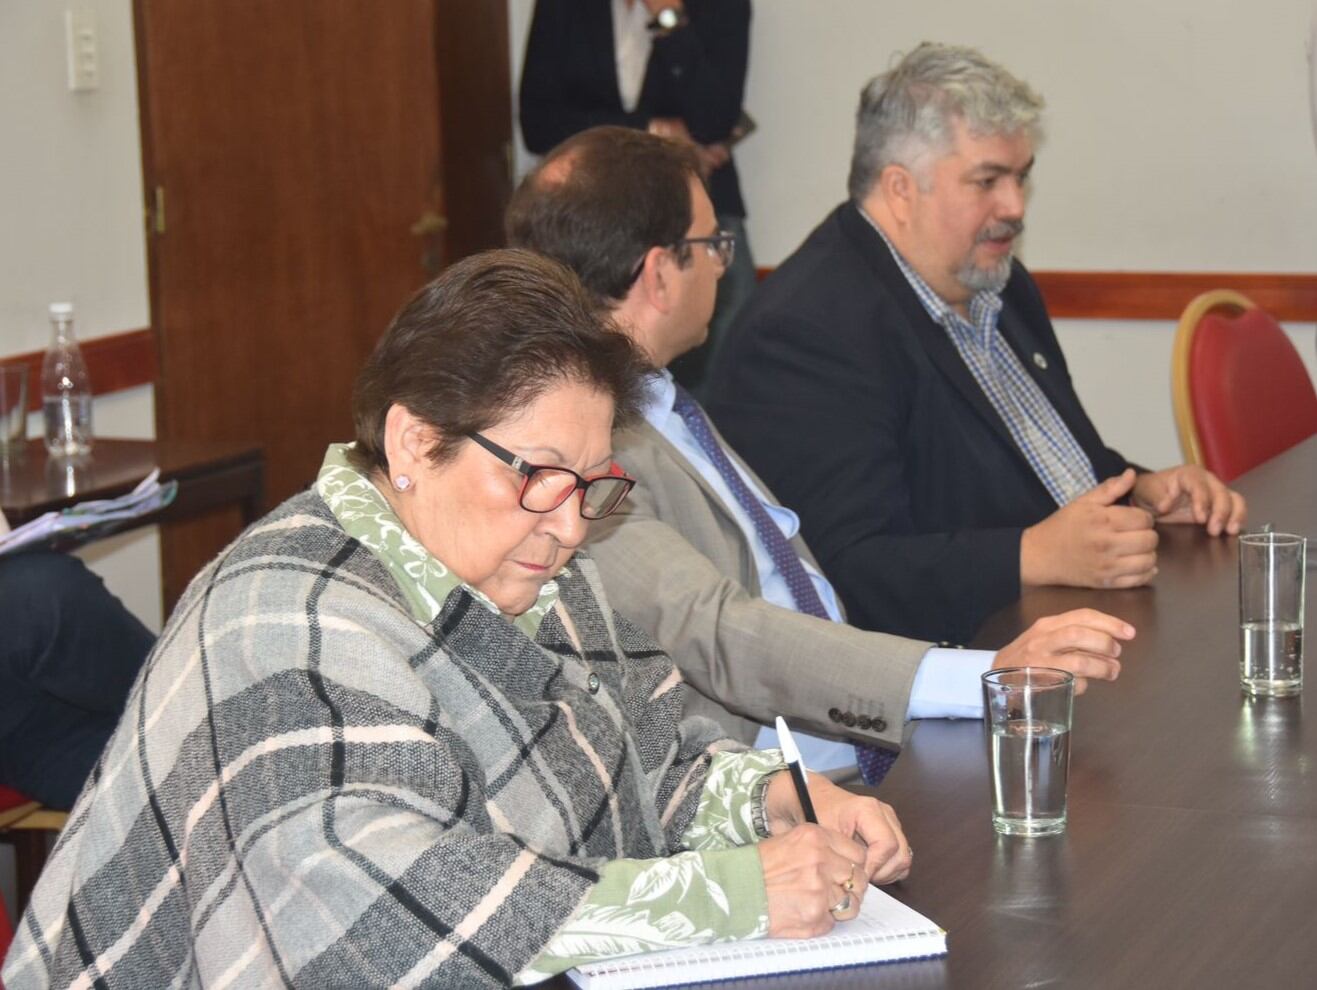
(885, 930)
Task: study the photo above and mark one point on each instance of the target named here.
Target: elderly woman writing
(394, 735)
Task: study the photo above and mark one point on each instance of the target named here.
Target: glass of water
(13, 410)
(1272, 573)
(1026, 712)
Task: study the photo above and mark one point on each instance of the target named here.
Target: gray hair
(906, 114)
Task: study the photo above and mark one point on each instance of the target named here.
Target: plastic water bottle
(65, 388)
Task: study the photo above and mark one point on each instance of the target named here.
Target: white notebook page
(885, 930)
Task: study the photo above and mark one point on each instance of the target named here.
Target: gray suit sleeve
(753, 658)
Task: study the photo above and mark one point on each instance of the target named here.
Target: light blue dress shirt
(947, 682)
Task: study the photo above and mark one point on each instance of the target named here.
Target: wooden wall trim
(114, 362)
(127, 360)
(1163, 295)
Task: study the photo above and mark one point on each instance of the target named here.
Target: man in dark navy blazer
(897, 379)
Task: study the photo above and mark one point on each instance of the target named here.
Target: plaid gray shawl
(308, 788)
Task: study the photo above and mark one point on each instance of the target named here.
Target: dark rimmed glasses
(721, 245)
(546, 486)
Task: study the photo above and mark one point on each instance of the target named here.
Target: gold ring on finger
(849, 885)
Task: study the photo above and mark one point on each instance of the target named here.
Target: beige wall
(71, 180)
(1178, 131)
(70, 184)
(1178, 138)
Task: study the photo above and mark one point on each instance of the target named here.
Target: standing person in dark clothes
(674, 68)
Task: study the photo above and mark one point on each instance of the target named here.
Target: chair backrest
(14, 805)
(1241, 391)
(6, 933)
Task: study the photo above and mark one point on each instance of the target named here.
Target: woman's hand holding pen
(813, 878)
(807, 867)
(887, 856)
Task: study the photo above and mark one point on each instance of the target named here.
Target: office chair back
(1241, 392)
(27, 826)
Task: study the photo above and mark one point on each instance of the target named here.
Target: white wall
(1122, 371)
(71, 175)
(70, 182)
(1178, 138)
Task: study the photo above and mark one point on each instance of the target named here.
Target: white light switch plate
(81, 50)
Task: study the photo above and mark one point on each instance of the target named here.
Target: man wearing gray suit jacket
(702, 555)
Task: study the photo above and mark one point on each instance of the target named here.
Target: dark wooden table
(1191, 854)
(209, 475)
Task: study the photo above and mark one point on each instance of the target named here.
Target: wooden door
(475, 88)
(292, 154)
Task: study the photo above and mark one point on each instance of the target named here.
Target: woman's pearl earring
(402, 483)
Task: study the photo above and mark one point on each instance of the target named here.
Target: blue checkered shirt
(1034, 424)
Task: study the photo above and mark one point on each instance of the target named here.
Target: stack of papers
(88, 520)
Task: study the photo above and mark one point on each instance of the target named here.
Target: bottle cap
(61, 310)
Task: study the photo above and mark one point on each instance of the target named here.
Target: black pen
(797, 767)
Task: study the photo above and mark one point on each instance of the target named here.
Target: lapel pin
(1039, 360)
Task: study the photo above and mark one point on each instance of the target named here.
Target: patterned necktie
(874, 763)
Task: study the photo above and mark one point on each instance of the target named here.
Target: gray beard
(992, 279)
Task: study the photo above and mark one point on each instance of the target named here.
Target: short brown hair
(601, 199)
(488, 336)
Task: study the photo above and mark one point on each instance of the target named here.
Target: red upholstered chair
(27, 825)
(6, 933)
(1241, 392)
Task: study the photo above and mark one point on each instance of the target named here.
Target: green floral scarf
(425, 580)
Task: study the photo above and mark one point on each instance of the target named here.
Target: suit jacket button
(834, 714)
(864, 722)
(592, 682)
(880, 725)
(848, 720)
